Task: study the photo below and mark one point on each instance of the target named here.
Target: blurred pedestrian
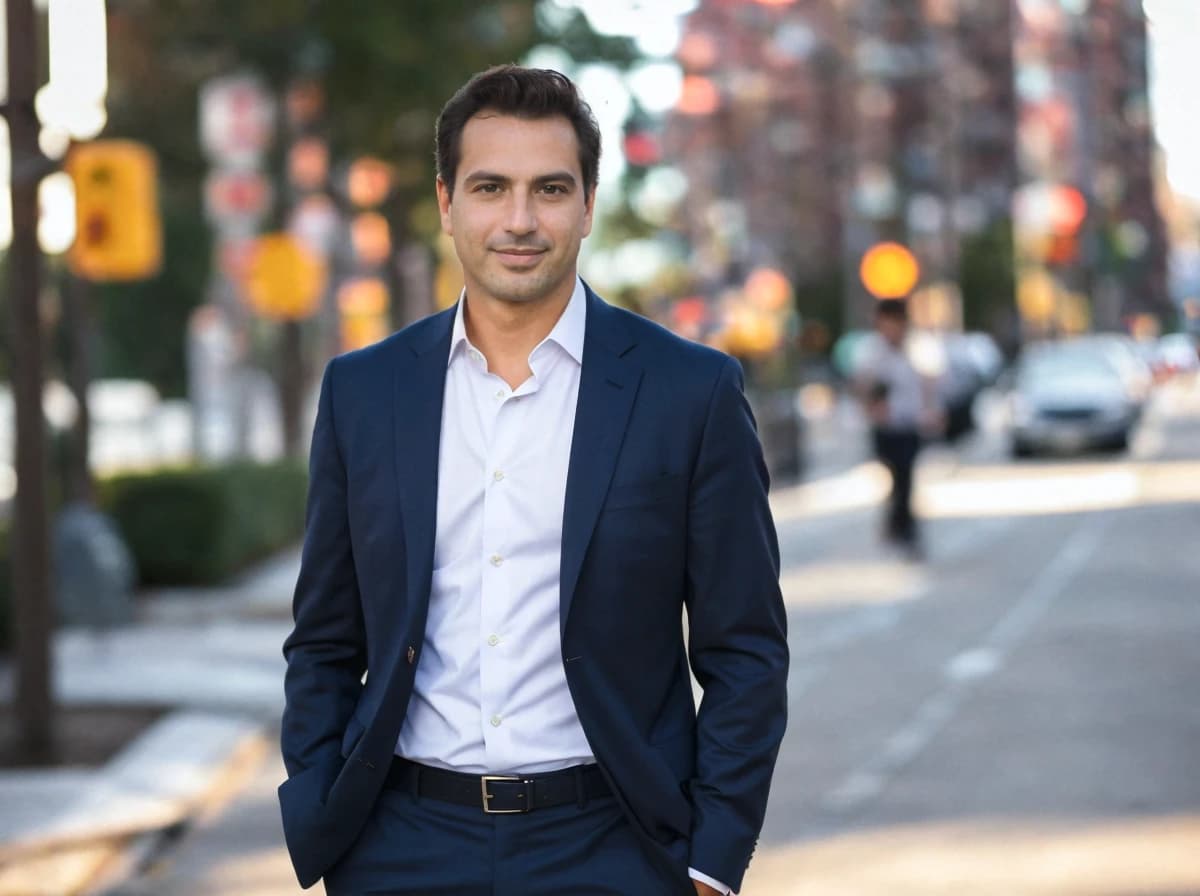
(511, 504)
(902, 407)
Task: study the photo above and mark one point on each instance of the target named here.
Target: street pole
(32, 594)
(79, 329)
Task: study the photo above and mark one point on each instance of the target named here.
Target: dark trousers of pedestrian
(419, 846)
(897, 450)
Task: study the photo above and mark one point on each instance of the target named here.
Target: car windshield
(1067, 365)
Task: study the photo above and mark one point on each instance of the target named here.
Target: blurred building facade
(811, 130)
(759, 133)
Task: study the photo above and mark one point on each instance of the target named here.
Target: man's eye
(488, 188)
(557, 189)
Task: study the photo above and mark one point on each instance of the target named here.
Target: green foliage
(201, 525)
(987, 276)
(145, 323)
(5, 590)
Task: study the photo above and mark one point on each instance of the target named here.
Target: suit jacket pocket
(643, 492)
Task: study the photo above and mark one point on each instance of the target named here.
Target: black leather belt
(499, 794)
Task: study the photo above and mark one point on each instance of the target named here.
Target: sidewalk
(212, 656)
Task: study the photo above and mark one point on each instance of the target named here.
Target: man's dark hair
(896, 309)
(530, 93)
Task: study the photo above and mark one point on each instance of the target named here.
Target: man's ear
(589, 209)
(443, 199)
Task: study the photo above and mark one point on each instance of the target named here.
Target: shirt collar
(567, 333)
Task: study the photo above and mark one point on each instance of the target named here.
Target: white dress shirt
(490, 694)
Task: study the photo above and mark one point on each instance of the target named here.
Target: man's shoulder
(659, 346)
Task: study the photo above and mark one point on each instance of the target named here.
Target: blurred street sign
(118, 232)
(232, 196)
(285, 278)
(237, 119)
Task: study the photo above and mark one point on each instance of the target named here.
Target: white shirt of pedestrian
(893, 368)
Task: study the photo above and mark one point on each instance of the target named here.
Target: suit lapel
(420, 387)
(608, 384)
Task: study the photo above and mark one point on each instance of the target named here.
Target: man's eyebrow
(556, 177)
(488, 176)
(493, 177)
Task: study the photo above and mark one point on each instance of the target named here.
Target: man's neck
(508, 332)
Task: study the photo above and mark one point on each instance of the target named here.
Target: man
(511, 503)
(901, 407)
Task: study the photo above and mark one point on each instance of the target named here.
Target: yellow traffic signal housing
(118, 231)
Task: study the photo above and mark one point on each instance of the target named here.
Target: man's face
(519, 209)
(893, 329)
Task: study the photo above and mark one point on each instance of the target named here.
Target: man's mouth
(519, 256)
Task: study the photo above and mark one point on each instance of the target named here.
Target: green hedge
(5, 589)
(198, 526)
(193, 526)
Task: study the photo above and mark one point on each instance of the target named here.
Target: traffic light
(118, 232)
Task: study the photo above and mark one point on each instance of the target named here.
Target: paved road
(1015, 716)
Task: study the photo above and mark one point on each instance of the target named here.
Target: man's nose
(521, 218)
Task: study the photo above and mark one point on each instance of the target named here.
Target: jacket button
(412, 655)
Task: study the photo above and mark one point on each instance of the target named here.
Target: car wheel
(1120, 444)
(1020, 449)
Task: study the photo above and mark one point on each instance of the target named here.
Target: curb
(171, 772)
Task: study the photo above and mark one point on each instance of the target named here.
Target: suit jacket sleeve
(737, 635)
(326, 651)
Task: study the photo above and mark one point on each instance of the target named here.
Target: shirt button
(493, 640)
(498, 475)
(500, 395)
(497, 559)
(496, 720)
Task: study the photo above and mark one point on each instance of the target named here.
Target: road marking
(964, 670)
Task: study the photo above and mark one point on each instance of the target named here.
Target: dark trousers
(423, 847)
(897, 450)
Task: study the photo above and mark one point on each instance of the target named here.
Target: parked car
(1072, 397)
(1179, 354)
(1129, 361)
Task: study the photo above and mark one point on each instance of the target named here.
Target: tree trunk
(32, 592)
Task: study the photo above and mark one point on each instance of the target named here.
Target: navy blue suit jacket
(666, 508)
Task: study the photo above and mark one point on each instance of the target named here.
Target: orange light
(364, 295)
(370, 237)
(768, 289)
(368, 182)
(889, 271)
(1068, 208)
(698, 96)
(308, 163)
(362, 307)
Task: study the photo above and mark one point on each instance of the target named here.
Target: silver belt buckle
(484, 780)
